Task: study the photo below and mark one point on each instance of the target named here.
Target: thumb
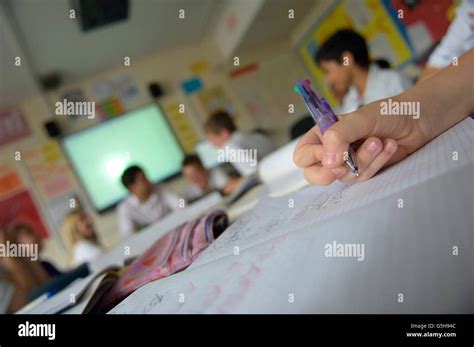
(350, 128)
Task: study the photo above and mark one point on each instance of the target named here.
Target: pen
(324, 118)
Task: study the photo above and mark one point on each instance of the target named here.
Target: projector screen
(100, 154)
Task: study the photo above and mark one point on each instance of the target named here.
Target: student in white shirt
(458, 40)
(81, 238)
(344, 58)
(445, 99)
(242, 150)
(202, 181)
(145, 205)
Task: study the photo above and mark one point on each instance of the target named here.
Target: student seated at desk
(81, 239)
(222, 132)
(145, 205)
(344, 59)
(444, 100)
(20, 275)
(202, 181)
(24, 234)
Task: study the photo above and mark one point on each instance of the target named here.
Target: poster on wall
(182, 126)
(267, 89)
(10, 180)
(126, 89)
(21, 209)
(199, 67)
(13, 125)
(214, 99)
(426, 21)
(374, 19)
(114, 96)
(110, 107)
(49, 170)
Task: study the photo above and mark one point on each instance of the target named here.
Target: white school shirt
(381, 83)
(85, 251)
(459, 38)
(133, 214)
(217, 181)
(239, 140)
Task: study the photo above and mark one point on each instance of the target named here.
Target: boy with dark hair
(145, 205)
(203, 181)
(344, 59)
(222, 132)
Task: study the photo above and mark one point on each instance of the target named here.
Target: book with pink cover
(171, 253)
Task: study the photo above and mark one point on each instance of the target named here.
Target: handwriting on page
(273, 217)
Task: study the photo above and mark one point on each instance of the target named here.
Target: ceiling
(55, 43)
(272, 23)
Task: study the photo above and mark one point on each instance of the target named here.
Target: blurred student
(12, 297)
(445, 99)
(222, 132)
(24, 234)
(344, 59)
(81, 238)
(19, 274)
(12, 288)
(146, 204)
(458, 40)
(202, 181)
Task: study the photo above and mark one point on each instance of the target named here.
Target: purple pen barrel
(324, 117)
(330, 118)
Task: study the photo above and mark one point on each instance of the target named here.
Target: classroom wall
(169, 69)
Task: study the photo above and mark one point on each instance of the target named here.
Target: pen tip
(357, 173)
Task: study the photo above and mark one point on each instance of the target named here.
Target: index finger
(308, 150)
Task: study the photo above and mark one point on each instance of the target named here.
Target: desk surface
(405, 259)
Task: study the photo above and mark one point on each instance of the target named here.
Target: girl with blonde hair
(80, 237)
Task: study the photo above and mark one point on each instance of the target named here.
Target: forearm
(427, 72)
(445, 98)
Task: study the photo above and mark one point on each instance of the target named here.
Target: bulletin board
(403, 41)
(374, 19)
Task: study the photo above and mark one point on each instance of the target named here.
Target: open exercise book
(273, 255)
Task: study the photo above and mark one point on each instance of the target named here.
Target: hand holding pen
(445, 99)
(324, 117)
(329, 151)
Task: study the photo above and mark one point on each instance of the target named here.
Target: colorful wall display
(20, 208)
(13, 125)
(403, 38)
(374, 19)
(214, 99)
(49, 170)
(10, 180)
(182, 126)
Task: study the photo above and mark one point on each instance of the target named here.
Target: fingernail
(338, 171)
(372, 146)
(391, 147)
(329, 158)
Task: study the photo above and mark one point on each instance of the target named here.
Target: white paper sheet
(274, 217)
(281, 265)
